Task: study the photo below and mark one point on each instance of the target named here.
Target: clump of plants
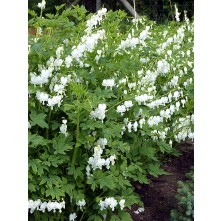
(108, 97)
(185, 197)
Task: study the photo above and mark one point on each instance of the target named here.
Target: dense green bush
(108, 97)
(185, 197)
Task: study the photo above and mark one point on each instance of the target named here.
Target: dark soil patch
(159, 197)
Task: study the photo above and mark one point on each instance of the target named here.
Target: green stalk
(89, 206)
(38, 23)
(41, 13)
(36, 215)
(39, 105)
(171, 8)
(47, 130)
(77, 137)
(69, 92)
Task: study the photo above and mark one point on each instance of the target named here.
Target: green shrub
(185, 210)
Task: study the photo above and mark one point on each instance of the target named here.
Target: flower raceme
(97, 162)
(72, 217)
(143, 98)
(81, 203)
(42, 97)
(108, 83)
(42, 4)
(99, 112)
(95, 20)
(42, 206)
(121, 109)
(139, 210)
(87, 44)
(111, 202)
(125, 107)
(177, 14)
(102, 142)
(63, 127)
(132, 42)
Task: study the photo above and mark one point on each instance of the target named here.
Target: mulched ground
(159, 196)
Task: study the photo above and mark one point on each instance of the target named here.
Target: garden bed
(159, 197)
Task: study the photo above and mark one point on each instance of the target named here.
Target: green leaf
(60, 146)
(146, 130)
(34, 140)
(55, 125)
(77, 172)
(68, 188)
(155, 170)
(37, 166)
(93, 186)
(123, 182)
(92, 182)
(51, 180)
(58, 8)
(115, 218)
(32, 13)
(112, 130)
(38, 118)
(92, 125)
(164, 147)
(31, 187)
(55, 193)
(112, 114)
(107, 93)
(49, 15)
(57, 160)
(34, 168)
(38, 48)
(142, 178)
(149, 152)
(131, 199)
(43, 180)
(79, 89)
(124, 216)
(95, 218)
(107, 181)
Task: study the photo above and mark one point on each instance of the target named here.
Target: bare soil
(159, 197)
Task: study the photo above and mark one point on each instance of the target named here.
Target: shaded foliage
(157, 10)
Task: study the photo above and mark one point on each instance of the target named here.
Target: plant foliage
(108, 97)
